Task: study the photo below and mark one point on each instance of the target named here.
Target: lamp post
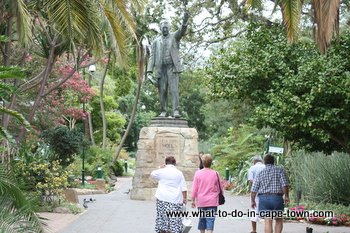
(227, 173)
(267, 143)
(83, 152)
(83, 159)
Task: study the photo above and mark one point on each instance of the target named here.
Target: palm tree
(16, 214)
(75, 27)
(84, 21)
(14, 13)
(141, 57)
(6, 90)
(325, 18)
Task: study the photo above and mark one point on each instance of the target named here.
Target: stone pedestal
(155, 143)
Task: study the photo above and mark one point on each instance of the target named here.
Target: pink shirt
(206, 188)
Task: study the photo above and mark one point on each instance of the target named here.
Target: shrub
(321, 178)
(46, 178)
(117, 168)
(240, 178)
(64, 142)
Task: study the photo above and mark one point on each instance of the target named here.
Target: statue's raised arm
(182, 30)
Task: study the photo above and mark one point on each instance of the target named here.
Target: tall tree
(291, 87)
(75, 27)
(325, 18)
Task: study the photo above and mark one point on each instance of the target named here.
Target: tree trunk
(103, 112)
(49, 66)
(6, 117)
(141, 64)
(48, 69)
(8, 44)
(91, 131)
(6, 58)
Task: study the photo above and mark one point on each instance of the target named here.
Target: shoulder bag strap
(217, 174)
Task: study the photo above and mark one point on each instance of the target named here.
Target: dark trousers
(168, 80)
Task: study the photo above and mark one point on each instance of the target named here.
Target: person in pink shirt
(205, 194)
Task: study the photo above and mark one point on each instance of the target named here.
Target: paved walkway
(116, 213)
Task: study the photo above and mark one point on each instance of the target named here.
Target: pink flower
(28, 57)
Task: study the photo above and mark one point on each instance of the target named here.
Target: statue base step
(168, 122)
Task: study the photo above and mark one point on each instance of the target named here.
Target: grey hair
(257, 158)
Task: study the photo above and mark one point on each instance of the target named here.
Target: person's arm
(156, 173)
(184, 196)
(182, 30)
(151, 61)
(252, 199)
(285, 186)
(254, 191)
(184, 189)
(194, 191)
(286, 194)
(250, 176)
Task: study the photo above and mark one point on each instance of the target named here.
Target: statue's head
(165, 27)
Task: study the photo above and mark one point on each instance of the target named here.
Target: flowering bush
(336, 220)
(48, 179)
(298, 213)
(227, 185)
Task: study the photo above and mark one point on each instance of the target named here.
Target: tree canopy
(292, 87)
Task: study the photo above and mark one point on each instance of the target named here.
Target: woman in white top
(171, 194)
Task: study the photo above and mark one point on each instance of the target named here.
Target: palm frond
(9, 220)
(15, 211)
(125, 16)
(291, 12)
(5, 134)
(119, 37)
(76, 19)
(5, 89)
(121, 23)
(24, 22)
(16, 115)
(326, 14)
(8, 188)
(255, 4)
(11, 72)
(3, 39)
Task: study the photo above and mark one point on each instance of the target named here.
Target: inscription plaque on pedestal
(167, 146)
(154, 145)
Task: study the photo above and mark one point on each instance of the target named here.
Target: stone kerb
(155, 143)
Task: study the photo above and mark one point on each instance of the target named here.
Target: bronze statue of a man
(165, 60)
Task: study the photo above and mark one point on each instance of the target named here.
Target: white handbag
(186, 223)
